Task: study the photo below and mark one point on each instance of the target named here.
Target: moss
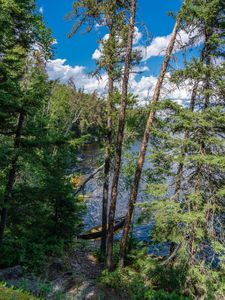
(13, 294)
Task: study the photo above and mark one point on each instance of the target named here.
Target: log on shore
(96, 232)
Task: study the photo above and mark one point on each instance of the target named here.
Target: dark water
(89, 160)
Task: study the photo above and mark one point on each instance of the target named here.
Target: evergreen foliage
(44, 125)
(188, 164)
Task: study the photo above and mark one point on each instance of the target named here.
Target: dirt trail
(75, 277)
(80, 280)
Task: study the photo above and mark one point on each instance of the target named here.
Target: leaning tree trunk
(120, 137)
(11, 176)
(142, 153)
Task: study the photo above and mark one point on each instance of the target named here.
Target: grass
(13, 294)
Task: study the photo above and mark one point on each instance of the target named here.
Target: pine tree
(112, 15)
(120, 136)
(141, 158)
(188, 182)
(16, 43)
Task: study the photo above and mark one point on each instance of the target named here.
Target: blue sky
(74, 56)
(78, 50)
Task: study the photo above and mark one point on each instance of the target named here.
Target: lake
(88, 161)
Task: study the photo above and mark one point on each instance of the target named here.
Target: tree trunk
(108, 150)
(107, 167)
(11, 176)
(81, 187)
(120, 136)
(142, 153)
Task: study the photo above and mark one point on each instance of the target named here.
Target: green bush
(162, 295)
(137, 286)
(125, 281)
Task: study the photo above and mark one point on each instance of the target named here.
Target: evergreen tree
(16, 90)
(120, 135)
(147, 133)
(39, 214)
(112, 15)
(188, 182)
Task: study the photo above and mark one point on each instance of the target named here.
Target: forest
(112, 195)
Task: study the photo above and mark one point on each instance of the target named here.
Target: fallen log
(87, 180)
(96, 232)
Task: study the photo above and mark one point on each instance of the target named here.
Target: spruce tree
(188, 182)
(146, 136)
(16, 90)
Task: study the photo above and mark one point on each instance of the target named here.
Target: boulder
(11, 273)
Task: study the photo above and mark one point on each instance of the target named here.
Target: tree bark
(107, 167)
(11, 176)
(108, 151)
(142, 153)
(120, 137)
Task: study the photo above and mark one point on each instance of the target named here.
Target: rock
(11, 273)
(57, 265)
(55, 268)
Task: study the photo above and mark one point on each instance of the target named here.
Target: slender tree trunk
(107, 167)
(81, 187)
(108, 150)
(180, 170)
(142, 153)
(120, 136)
(11, 176)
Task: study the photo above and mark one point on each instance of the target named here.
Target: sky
(74, 57)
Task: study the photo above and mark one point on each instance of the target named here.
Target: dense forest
(157, 164)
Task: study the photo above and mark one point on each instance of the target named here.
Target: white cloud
(41, 10)
(97, 25)
(142, 87)
(58, 69)
(98, 52)
(140, 69)
(145, 86)
(137, 36)
(159, 44)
